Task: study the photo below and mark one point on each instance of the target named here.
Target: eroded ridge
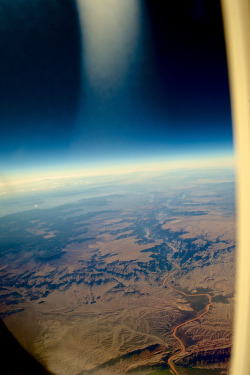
(182, 345)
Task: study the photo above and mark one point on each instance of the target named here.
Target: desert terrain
(98, 285)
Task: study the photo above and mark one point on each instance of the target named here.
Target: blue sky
(84, 83)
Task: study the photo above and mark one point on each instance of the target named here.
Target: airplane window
(117, 188)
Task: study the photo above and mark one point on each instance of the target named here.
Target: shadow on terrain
(14, 359)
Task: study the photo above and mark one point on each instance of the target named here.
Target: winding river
(182, 346)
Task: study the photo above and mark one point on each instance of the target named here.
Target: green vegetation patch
(220, 298)
(198, 303)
